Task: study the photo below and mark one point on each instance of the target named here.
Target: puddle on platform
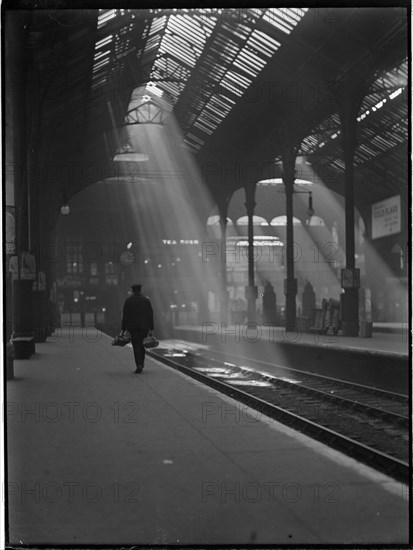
(211, 370)
(257, 383)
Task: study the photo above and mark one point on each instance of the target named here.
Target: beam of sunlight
(170, 226)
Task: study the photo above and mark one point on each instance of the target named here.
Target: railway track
(366, 423)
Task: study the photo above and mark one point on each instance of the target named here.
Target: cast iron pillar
(223, 210)
(290, 283)
(251, 290)
(349, 94)
(22, 307)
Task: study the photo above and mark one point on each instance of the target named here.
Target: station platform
(99, 455)
(381, 361)
(390, 340)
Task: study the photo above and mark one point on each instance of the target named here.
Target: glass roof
(207, 57)
(203, 62)
(382, 123)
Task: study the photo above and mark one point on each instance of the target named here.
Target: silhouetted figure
(308, 301)
(137, 318)
(269, 304)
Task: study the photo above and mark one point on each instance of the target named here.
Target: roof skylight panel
(227, 50)
(105, 16)
(236, 78)
(208, 25)
(400, 138)
(152, 43)
(126, 29)
(204, 127)
(179, 48)
(290, 16)
(383, 143)
(338, 163)
(198, 103)
(98, 55)
(172, 89)
(263, 43)
(252, 58)
(240, 31)
(100, 64)
(367, 148)
(187, 26)
(360, 157)
(191, 119)
(209, 113)
(194, 138)
(120, 55)
(299, 12)
(123, 45)
(169, 64)
(180, 27)
(171, 67)
(100, 82)
(274, 16)
(252, 61)
(158, 24)
(236, 91)
(222, 102)
(104, 41)
(212, 72)
(244, 68)
(214, 116)
(188, 146)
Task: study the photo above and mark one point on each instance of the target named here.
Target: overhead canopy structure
(235, 80)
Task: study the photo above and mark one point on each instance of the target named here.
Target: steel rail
(399, 419)
(383, 462)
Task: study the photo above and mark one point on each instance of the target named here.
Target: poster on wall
(10, 224)
(385, 217)
(27, 267)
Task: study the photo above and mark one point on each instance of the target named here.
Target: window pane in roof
(157, 25)
(100, 64)
(179, 48)
(105, 16)
(232, 89)
(237, 79)
(215, 116)
(254, 63)
(104, 41)
(263, 43)
(246, 68)
(195, 139)
(275, 16)
(203, 128)
(239, 53)
(101, 54)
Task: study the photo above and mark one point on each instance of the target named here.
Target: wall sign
(385, 217)
(10, 230)
(350, 278)
(27, 267)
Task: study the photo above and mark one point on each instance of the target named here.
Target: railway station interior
(250, 168)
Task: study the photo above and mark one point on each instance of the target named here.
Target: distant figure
(137, 318)
(269, 304)
(334, 234)
(308, 300)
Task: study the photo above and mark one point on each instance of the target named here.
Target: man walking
(137, 318)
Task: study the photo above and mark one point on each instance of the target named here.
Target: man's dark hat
(136, 287)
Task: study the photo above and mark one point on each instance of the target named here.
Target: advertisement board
(385, 217)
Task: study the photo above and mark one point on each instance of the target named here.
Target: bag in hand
(150, 342)
(121, 339)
